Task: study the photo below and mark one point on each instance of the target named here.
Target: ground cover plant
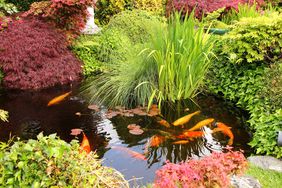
(267, 178)
(50, 161)
(169, 67)
(22, 5)
(7, 8)
(209, 171)
(34, 55)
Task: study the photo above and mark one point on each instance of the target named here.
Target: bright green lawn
(267, 178)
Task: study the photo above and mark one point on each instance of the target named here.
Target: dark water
(29, 115)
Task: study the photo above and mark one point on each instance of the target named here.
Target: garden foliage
(210, 171)
(22, 5)
(169, 67)
(254, 85)
(255, 40)
(68, 15)
(51, 162)
(112, 44)
(203, 7)
(108, 8)
(34, 55)
(7, 8)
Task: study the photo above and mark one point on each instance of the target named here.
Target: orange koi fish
(226, 130)
(85, 146)
(58, 99)
(134, 154)
(185, 119)
(156, 140)
(181, 142)
(191, 134)
(201, 124)
(164, 123)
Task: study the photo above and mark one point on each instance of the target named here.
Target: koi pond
(135, 151)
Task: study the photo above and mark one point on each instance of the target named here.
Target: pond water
(29, 115)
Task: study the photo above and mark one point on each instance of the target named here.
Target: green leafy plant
(4, 115)
(22, 5)
(257, 89)
(254, 40)
(49, 161)
(7, 8)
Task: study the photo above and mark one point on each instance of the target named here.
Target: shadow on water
(29, 115)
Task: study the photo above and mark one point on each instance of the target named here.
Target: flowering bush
(202, 7)
(210, 171)
(68, 15)
(34, 55)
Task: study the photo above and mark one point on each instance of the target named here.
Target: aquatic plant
(50, 161)
(209, 171)
(34, 55)
(182, 56)
(170, 67)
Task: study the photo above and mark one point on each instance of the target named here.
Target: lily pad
(76, 132)
(133, 126)
(136, 131)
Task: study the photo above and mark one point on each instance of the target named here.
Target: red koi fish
(85, 146)
(191, 134)
(201, 124)
(164, 123)
(58, 99)
(226, 130)
(156, 140)
(134, 154)
(184, 119)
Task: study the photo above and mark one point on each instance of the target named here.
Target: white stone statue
(90, 27)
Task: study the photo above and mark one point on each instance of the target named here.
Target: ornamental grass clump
(209, 172)
(51, 162)
(169, 67)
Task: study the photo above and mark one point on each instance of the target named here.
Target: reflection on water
(30, 115)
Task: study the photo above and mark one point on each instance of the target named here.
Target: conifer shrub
(33, 55)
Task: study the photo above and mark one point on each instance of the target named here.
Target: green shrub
(7, 8)
(136, 24)
(99, 51)
(108, 8)
(49, 161)
(155, 6)
(257, 89)
(22, 5)
(255, 40)
(267, 126)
